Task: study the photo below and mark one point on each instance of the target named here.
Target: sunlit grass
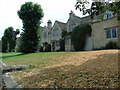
(66, 69)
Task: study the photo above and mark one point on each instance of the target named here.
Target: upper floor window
(108, 15)
(111, 33)
(55, 32)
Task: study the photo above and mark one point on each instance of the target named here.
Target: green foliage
(9, 39)
(47, 47)
(17, 31)
(111, 45)
(62, 41)
(101, 48)
(4, 44)
(64, 33)
(62, 45)
(41, 49)
(98, 8)
(31, 15)
(79, 36)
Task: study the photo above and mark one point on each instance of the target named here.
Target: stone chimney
(49, 24)
(71, 14)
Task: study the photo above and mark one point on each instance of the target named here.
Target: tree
(9, 39)
(79, 36)
(47, 47)
(98, 8)
(31, 15)
(4, 44)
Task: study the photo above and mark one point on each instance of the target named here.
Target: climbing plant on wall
(79, 36)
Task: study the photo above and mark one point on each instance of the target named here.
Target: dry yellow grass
(79, 70)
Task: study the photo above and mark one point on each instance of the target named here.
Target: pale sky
(53, 10)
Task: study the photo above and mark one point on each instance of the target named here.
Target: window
(111, 33)
(108, 15)
(55, 32)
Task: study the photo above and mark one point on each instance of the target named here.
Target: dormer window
(108, 15)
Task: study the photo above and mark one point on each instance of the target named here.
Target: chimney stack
(71, 13)
(49, 24)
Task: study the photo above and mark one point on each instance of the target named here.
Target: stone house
(72, 22)
(102, 31)
(56, 35)
(46, 34)
(105, 30)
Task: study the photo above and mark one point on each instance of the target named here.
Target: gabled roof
(61, 25)
(73, 18)
(86, 19)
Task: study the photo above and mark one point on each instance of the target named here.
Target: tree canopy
(98, 8)
(31, 15)
(9, 39)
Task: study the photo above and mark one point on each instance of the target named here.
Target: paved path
(1, 79)
(5, 78)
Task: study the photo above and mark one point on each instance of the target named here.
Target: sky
(53, 10)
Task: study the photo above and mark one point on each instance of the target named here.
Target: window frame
(110, 34)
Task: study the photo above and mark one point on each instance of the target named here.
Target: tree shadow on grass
(3, 57)
(96, 73)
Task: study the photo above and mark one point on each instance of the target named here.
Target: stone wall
(99, 31)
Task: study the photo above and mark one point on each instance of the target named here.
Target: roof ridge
(60, 22)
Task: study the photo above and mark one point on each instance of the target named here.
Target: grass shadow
(3, 57)
(96, 73)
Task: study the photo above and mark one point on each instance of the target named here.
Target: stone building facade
(102, 31)
(56, 35)
(46, 34)
(105, 31)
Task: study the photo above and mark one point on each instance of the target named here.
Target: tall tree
(31, 15)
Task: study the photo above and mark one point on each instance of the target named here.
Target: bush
(79, 36)
(41, 49)
(101, 48)
(111, 45)
(47, 48)
(62, 45)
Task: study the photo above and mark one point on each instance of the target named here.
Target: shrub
(47, 48)
(79, 36)
(41, 49)
(62, 45)
(111, 45)
(101, 48)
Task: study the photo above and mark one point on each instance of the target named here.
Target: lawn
(35, 59)
(66, 69)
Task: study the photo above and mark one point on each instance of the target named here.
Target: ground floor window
(111, 33)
